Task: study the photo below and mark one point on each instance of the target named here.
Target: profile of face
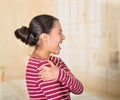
(44, 32)
(54, 39)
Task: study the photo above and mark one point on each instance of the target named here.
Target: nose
(63, 37)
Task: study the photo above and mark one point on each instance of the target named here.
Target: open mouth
(59, 45)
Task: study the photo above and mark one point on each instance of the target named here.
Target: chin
(56, 53)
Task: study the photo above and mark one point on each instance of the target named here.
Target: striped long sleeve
(58, 89)
(71, 82)
(67, 79)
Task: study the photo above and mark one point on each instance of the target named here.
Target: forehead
(57, 25)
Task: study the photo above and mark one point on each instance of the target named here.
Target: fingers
(42, 70)
(44, 75)
(48, 73)
(52, 64)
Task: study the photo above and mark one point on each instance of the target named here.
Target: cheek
(54, 39)
(52, 43)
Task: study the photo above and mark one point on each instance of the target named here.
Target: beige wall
(14, 14)
(81, 20)
(92, 45)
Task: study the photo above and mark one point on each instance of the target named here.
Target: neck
(40, 53)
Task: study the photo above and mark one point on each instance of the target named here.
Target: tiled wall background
(92, 45)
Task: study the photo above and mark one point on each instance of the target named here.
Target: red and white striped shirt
(58, 89)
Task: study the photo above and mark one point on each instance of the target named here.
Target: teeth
(59, 44)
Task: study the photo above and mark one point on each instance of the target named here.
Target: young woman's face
(55, 38)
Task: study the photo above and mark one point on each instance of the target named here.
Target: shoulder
(39, 62)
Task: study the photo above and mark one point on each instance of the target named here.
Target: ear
(43, 36)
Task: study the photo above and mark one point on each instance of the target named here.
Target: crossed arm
(63, 75)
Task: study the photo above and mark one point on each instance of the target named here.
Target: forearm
(68, 80)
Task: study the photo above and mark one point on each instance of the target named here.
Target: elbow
(81, 89)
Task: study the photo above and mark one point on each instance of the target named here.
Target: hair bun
(22, 34)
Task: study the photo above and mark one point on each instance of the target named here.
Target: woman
(47, 76)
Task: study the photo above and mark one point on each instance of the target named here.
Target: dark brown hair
(38, 25)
